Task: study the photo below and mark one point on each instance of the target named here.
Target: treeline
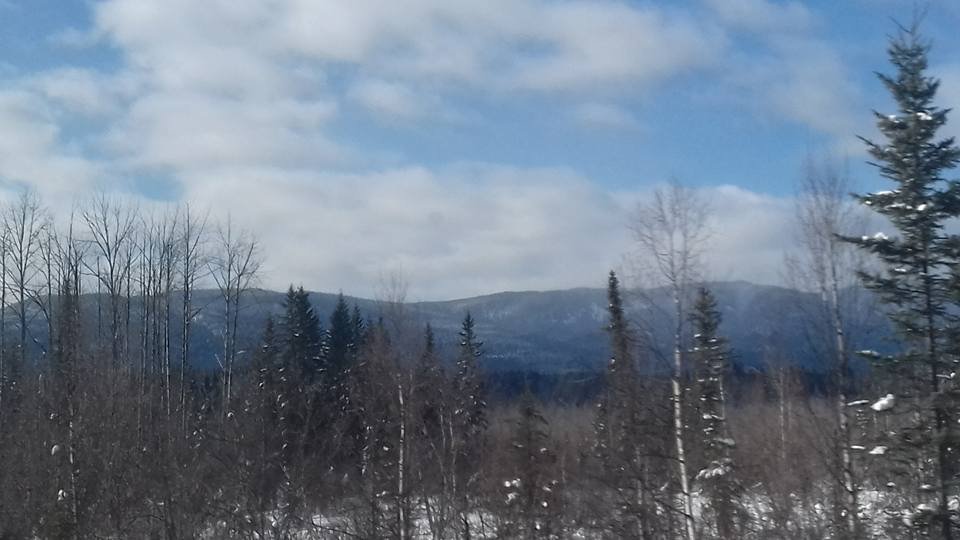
(354, 428)
(341, 427)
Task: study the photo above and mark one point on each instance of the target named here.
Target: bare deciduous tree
(192, 260)
(112, 224)
(234, 266)
(25, 222)
(671, 233)
(828, 265)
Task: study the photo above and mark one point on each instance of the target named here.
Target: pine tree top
(706, 317)
(912, 156)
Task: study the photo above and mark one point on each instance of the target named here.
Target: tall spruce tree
(620, 381)
(342, 348)
(429, 393)
(344, 390)
(358, 328)
(270, 372)
(372, 420)
(718, 478)
(630, 435)
(469, 421)
(303, 362)
(340, 338)
(302, 336)
(914, 282)
(266, 452)
(468, 383)
(273, 391)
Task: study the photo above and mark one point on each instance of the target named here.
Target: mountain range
(550, 334)
(563, 330)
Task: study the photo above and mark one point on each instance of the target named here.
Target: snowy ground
(875, 513)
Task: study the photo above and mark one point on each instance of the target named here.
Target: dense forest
(356, 424)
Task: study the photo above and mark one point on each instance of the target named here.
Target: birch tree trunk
(824, 212)
(671, 230)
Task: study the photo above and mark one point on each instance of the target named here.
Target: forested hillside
(538, 332)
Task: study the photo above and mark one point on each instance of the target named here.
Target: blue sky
(478, 145)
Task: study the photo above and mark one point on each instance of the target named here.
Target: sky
(473, 146)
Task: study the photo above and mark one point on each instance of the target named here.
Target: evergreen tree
(345, 387)
(532, 492)
(373, 420)
(718, 479)
(914, 281)
(301, 356)
(302, 336)
(342, 348)
(629, 433)
(358, 327)
(266, 362)
(469, 387)
(469, 420)
(273, 391)
(340, 339)
(429, 392)
(269, 444)
(621, 375)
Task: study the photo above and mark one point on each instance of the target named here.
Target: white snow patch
(884, 404)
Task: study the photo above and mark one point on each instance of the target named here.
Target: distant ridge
(554, 331)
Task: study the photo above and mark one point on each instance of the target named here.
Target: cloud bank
(240, 108)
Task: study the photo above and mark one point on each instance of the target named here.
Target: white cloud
(32, 151)
(534, 44)
(388, 99)
(603, 115)
(83, 91)
(185, 131)
(398, 59)
(763, 15)
(618, 45)
(814, 88)
(752, 232)
(785, 70)
(465, 229)
(469, 229)
(747, 235)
